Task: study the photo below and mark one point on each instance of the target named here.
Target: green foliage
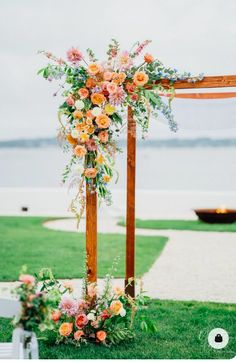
(193, 225)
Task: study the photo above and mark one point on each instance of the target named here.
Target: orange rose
(103, 136)
(56, 315)
(90, 115)
(116, 307)
(119, 78)
(77, 114)
(80, 126)
(106, 178)
(80, 151)
(78, 335)
(103, 121)
(90, 83)
(97, 98)
(140, 78)
(90, 129)
(94, 68)
(101, 336)
(148, 58)
(83, 93)
(71, 140)
(90, 172)
(65, 329)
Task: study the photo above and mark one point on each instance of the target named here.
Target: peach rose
(27, 279)
(90, 83)
(103, 136)
(77, 114)
(107, 75)
(90, 172)
(111, 88)
(65, 329)
(56, 315)
(90, 115)
(80, 151)
(119, 78)
(80, 126)
(78, 335)
(81, 320)
(71, 140)
(83, 93)
(101, 336)
(94, 68)
(103, 121)
(148, 58)
(116, 307)
(140, 78)
(97, 98)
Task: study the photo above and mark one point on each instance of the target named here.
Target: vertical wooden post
(91, 235)
(130, 204)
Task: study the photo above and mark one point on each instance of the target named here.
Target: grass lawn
(182, 333)
(23, 240)
(193, 225)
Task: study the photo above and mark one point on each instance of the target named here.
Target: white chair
(24, 344)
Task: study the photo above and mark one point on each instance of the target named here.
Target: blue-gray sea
(159, 168)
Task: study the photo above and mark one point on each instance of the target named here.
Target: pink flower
(70, 101)
(27, 279)
(125, 61)
(74, 55)
(82, 304)
(68, 306)
(111, 88)
(117, 97)
(91, 145)
(81, 320)
(107, 75)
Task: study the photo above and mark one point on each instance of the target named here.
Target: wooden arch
(91, 199)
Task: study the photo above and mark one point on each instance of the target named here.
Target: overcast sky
(194, 35)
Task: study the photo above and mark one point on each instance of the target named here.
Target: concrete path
(193, 266)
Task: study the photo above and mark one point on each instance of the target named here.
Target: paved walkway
(193, 265)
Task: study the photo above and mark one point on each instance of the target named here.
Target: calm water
(157, 168)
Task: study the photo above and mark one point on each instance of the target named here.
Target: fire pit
(216, 216)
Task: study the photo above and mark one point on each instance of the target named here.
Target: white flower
(79, 170)
(75, 133)
(79, 104)
(91, 317)
(123, 312)
(96, 111)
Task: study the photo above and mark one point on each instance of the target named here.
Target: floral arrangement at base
(93, 112)
(103, 317)
(36, 304)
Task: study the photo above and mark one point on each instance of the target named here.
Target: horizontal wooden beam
(207, 82)
(206, 95)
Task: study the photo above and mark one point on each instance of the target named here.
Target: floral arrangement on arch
(95, 99)
(104, 317)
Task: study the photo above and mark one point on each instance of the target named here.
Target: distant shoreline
(162, 143)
